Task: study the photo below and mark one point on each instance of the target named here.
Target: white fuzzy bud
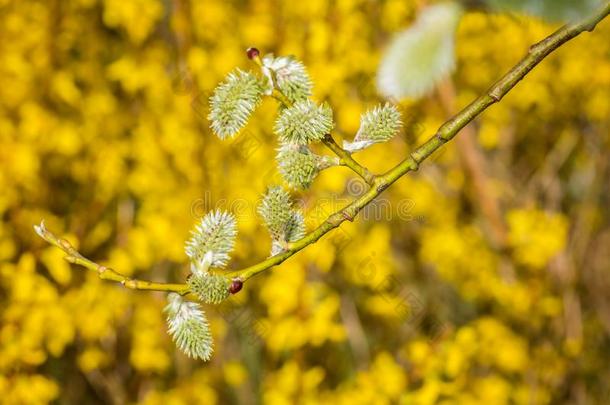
(289, 75)
(299, 166)
(233, 102)
(304, 122)
(189, 328)
(377, 125)
(214, 236)
(284, 223)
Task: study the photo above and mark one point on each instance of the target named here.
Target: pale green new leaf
(422, 55)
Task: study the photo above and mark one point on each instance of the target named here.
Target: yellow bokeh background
(431, 296)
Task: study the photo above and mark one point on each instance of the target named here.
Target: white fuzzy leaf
(422, 55)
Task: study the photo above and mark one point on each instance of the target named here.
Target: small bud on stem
(236, 286)
(252, 53)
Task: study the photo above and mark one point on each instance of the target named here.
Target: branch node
(382, 186)
(414, 165)
(70, 259)
(65, 244)
(440, 137)
(129, 283)
(495, 96)
(532, 48)
(346, 159)
(348, 216)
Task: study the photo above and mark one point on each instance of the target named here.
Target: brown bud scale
(252, 53)
(236, 286)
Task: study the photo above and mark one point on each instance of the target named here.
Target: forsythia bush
(104, 132)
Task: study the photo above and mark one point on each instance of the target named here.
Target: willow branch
(103, 272)
(445, 133)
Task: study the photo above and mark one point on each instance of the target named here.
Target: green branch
(378, 184)
(347, 160)
(105, 273)
(445, 133)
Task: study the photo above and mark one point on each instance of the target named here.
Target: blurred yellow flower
(103, 132)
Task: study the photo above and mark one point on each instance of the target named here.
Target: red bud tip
(236, 286)
(252, 53)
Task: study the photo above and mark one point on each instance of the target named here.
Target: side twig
(346, 159)
(344, 156)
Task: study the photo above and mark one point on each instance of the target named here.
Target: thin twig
(347, 160)
(105, 273)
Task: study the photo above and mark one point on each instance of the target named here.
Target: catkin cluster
(300, 123)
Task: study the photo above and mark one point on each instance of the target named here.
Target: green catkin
(189, 328)
(233, 102)
(304, 122)
(378, 125)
